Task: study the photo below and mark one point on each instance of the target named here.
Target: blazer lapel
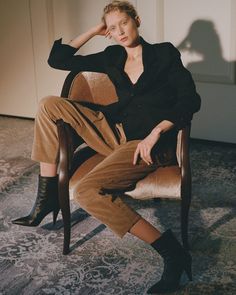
(151, 62)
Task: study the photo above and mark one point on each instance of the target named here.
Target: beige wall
(28, 28)
(205, 32)
(17, 83)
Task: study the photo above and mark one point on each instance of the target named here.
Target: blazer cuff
(59, 51)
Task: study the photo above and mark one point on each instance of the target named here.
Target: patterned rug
(15, 146)
(31, 260)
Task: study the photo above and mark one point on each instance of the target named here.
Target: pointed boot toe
(22, 221)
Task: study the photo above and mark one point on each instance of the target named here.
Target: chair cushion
(163, 183)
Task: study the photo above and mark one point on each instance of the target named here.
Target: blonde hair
(122, 6)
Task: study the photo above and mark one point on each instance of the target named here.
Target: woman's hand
(145, 146)
(101, 29)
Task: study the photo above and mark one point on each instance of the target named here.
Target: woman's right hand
(101, 29)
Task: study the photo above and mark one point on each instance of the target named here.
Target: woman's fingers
(107, 34)
(147, 154)
(136, 154)
(144, 152)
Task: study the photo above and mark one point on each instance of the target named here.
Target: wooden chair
(165, 182)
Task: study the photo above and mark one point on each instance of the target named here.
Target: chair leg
(65, 209)
(63, 183)
(185, 205)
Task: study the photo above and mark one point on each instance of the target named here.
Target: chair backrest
(92, 87)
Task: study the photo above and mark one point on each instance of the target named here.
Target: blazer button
(132, 94)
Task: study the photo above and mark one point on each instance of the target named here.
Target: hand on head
(101, 29)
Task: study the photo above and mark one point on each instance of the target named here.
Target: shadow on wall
(203, 40)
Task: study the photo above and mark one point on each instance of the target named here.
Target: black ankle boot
(46, 202)
(176, 261)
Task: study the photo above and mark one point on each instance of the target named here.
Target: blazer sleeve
(188, 100)
(62, 57)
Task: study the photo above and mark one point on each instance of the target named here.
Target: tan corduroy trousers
(100, 191)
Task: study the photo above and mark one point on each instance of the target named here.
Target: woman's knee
(49, 102)
(84, 191)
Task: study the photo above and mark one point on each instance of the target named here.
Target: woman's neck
(134, 53)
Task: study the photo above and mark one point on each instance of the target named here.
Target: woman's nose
(120, 31)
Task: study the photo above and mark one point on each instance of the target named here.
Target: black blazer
(164, 91)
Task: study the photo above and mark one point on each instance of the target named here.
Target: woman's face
(122, 28)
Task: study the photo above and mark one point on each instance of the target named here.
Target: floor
(31, 260)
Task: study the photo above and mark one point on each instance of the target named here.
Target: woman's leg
(48, 170)
(90, 126)
(176, 259)
(99, 193)
(145, 231)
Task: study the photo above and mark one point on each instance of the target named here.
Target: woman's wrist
(82, 39)
(99, 29)
(162, 127)
(157, 130)
(93, 31)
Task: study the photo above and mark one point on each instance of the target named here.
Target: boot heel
(55, 214)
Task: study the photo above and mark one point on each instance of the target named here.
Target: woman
(137, 134)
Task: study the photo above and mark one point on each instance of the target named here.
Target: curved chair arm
(63, 183)
(67, 164)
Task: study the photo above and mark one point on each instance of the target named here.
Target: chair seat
(163, 183)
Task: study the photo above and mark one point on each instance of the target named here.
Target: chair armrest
(186, 184)
(184, 155)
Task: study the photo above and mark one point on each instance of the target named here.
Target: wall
(17, 83)
(27, 33)
(204, 32)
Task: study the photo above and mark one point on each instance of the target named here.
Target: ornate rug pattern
(31, 260)
(15, 145)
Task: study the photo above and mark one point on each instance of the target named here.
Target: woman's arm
(145, 146)
(80, 40)
(188, 102)
(62, 56)
(181, 81)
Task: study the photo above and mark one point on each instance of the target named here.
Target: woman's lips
(123, 39)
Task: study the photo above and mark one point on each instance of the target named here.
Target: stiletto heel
(188, 269)
(55, 214)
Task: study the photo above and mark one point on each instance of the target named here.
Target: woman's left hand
(145, 146)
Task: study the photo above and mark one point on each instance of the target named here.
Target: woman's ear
(137, 21)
